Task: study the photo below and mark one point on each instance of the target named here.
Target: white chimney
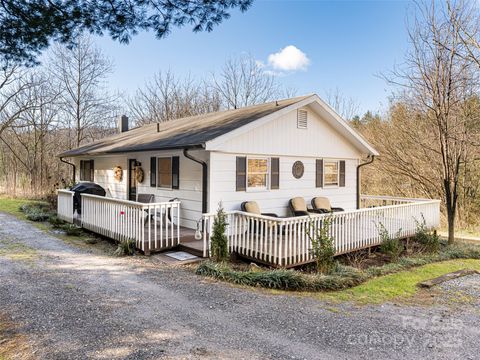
(122, 123)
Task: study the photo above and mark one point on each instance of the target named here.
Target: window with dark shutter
(164, 172)
(319, 173)
(92, 168)
(82, 170)
(153, 172)
(241, 173)
(275, 173)
(175, 172)
(341, 181)
(86, 170)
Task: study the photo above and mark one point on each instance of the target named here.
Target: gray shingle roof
(191, 131)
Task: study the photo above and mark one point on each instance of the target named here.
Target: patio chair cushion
(298, 204)
(145, 198)
(252, 207)
(321, 202)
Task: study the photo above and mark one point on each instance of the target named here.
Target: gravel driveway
(72, 304)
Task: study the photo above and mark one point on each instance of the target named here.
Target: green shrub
(35, 206)
(461, 251)
(36, 211)
(219, 240)
(37, 214)
(337, 282)
(341, 277)
(25, 207)
(272, 279)
(282, 279)
(55, 221)
(125, 247)
(430, 242)
(71, 229)
(392, 247)
(323, 249)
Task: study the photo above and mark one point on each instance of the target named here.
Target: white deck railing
(368, 201)
(147, 224)
(65, 205)
(286, 241)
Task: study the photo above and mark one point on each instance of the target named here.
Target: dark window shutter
(175, 172)
(275, 173)
(92, 168)
(82, 170)
(319, 173)
(341, 181)
(153, 172)
(241, 173)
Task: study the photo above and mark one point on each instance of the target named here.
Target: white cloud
(290, 58)
(260, 64)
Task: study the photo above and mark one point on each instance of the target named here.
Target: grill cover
(85, 188)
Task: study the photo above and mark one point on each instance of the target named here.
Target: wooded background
(428, 138)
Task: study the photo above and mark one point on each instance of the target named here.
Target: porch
(282, 242)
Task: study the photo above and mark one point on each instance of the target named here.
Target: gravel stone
(468, 285)
(72, 304)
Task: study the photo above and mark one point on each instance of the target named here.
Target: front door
(132, 181)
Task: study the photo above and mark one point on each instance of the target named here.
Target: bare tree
(169, 97)
(464, 16)
(12, 86)
(81, 73)
(29, 138)
(243, 82)
(345, 106)
(438, 90)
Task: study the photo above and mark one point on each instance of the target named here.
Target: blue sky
(347, 43)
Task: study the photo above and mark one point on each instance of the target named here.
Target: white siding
(282, 137)
(222, 185)
(277, 138)
(190, 192)
(104, 176)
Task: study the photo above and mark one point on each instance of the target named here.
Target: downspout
(371, 158)
(204, 178)
(73, 166)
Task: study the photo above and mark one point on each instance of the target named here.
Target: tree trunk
(451, 198)
(451, 227)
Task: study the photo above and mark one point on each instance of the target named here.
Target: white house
(303, 129)
(268, 153)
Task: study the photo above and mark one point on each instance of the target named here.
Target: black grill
(85, 188)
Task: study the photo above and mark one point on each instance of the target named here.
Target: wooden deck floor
(164, 239)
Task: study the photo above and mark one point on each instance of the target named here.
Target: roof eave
(113, 152)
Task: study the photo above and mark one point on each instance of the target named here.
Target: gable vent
(302, 119)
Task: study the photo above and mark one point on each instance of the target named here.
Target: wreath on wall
(118, 173)
(139, 174)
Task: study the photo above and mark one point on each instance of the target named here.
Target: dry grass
(13, 345)
(16, 251)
